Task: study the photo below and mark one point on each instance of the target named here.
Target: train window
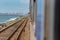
(22, 17)
(14, 18)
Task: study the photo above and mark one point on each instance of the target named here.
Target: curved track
(14, 31)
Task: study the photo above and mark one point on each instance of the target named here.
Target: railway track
(25, 33)
(14, 31)
(9, 26)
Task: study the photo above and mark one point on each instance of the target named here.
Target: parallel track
(25, 32)
(12, 32)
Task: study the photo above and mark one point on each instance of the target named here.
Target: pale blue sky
(14, 6)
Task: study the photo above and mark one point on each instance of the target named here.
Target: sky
(14, 6)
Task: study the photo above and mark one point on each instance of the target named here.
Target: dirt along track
(13, 31)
